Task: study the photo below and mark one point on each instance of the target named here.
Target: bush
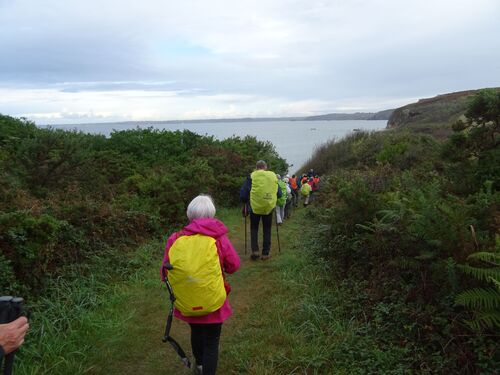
(405, 223)
(68, 196)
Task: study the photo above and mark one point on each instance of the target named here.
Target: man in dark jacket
(259, 193)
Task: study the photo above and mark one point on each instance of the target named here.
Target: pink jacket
(230, 262)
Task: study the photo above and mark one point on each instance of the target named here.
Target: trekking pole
(278, 235)
(166, 336)
(4, 316)
(245, 214)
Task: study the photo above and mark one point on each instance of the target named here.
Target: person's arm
(12, 335)
(245, 190)
(230, 259)
(280, 193)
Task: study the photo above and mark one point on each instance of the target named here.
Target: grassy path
(258, 339)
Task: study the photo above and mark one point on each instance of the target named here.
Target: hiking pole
(166, 336)
(245, 215)
(278, 235)
(4, 315)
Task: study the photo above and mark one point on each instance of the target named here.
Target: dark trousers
(295, 195)
(267, 220)
(288, 209)
(205, 345)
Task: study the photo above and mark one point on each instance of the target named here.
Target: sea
(295, 141)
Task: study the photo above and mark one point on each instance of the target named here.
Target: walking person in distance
(260, 192)
(281, 201)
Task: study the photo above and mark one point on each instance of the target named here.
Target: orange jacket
(315, 183)
(293, 183)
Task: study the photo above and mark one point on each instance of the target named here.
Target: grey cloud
(304, 49)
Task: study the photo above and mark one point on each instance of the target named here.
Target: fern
(480, 298)
(483, 274)
(487, 257)
(486, 320)
(485, 302)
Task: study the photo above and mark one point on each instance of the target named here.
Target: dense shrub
(413, 223)
(67, 196)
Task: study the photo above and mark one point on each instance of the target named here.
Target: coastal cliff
(441, 110)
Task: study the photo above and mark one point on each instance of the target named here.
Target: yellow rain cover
(263, 193)
(305, 189)
(196, 278)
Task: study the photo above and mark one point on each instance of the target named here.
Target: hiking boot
(265, 257)
(255, 255)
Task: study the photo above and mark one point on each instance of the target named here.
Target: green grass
(287, 319)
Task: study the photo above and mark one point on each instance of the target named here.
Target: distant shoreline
(382, 115)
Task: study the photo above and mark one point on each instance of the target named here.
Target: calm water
(294, 140)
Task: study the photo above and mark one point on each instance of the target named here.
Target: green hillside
(408, 226)
(428, 114)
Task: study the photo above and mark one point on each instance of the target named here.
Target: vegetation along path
(260, 338)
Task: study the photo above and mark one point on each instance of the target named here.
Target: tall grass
(66, 324)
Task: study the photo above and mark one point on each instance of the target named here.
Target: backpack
(263, 192)
(196, 278)
(305, 189)
(282, 201)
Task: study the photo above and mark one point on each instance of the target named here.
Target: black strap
(166, 336)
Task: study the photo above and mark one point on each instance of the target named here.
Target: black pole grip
(5, 309)
(11, 308)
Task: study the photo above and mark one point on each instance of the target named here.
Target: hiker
(314, 182)
(311, 173)
(281, 202)
(304, 179)
(205, 329)
(305, 190)
(292, 181)
(259, 193)
(12, 335)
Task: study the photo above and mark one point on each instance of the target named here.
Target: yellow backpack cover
(263, 193)
(196, 277)
(305, 189)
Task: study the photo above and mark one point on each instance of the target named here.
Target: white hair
(201, 207)
(261, 164)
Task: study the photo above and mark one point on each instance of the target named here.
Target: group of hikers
(263, 191)
(198, 257)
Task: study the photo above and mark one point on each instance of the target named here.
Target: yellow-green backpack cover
(263, 194)
(305, 189)
(196, 277)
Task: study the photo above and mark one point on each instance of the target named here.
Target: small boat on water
(312, 129)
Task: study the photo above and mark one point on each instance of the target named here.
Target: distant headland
(382, 115)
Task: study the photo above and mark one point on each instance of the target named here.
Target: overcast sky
(65, 61)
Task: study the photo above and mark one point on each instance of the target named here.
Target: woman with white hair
(190, 252)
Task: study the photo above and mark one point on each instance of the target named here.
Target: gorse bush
(413, 223)
(360, 150)
(67, 196)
